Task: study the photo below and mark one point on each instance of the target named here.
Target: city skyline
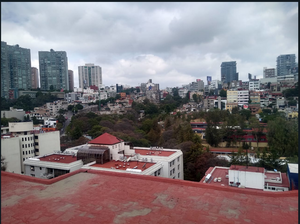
(171, 43)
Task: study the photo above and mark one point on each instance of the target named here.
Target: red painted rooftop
(106, 139)
(124, 166)
(158, 152)
(89, 196)
(59, 158)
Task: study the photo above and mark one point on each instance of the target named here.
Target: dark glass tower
(228, 72)
(53, 70)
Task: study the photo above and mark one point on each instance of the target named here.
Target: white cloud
(172, 43)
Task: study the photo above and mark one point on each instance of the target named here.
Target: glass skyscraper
(15, 68)
(285, 63)
(228, 72)
(53, 70)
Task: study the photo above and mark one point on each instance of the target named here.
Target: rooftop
(58, 158)
(123, 166)
(158, 152)
(106, 139)
(90, 196)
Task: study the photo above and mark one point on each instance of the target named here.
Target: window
(178, 166)
(158, 172)
(33, 175)
(155, 173)
(22, 139)
(23, 159)
(170, 164)
(173, 170)
(23, 146)
(40, 168)
(178, 159)
(170, 172)
(178, 175)
(23, 152)
(36, 137)
(173, 177)
(26, 152)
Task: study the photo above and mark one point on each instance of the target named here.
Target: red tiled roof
(106, 139)
(90, 196)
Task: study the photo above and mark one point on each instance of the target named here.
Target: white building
(243, 97)
(247, 177)
(17, 113)
(254, 84)
(89, 75)
(158, 162)
(23, 142)
(50, 166)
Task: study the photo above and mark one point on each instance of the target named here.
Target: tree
(283, 136)
(76, 133)
(223, 93)
(3, 163)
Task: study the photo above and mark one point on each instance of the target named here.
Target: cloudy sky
(171, 43)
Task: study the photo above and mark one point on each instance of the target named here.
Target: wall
(9, 114)
(20, 126)
(48, 142)
(248, 179)
(10, 149)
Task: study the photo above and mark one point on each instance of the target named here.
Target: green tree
(283, 136)
(76, 133)
(3, 163)
(223, 93)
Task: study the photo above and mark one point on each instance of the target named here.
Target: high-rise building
(285, 63)
(71, 80)
(89, 75)
(15, 68)
(269, 72)
(228, 72)
(35, 83)
(53, 70)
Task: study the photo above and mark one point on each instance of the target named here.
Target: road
(69, 114)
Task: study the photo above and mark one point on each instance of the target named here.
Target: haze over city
(171, 43)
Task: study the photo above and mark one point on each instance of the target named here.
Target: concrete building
(243, 97)
(15, 68)
(35, 82)
(151, 90)
(89, 75)
(17, 113)
(285, 63)
(247, 177)
(52, 165)
(254, 84)
(228, 72)
(23, 142)
(269, 72)
(71, 80)
(122, 158)
(232, 99)
(54, 70)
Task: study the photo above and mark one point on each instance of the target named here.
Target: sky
(171, 43)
